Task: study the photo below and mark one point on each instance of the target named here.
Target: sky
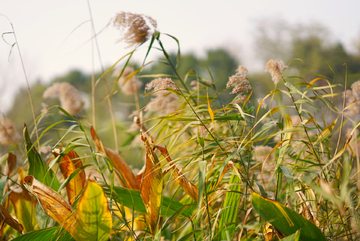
(54, 36)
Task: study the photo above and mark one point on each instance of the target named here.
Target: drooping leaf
(286, 220)
(6, 217)
(151, 188)
(49, 234)
(118, 162)
(131, 198)
(37, 167)
(185, 184)
(93, 217)
(51, 202)
(68, 164)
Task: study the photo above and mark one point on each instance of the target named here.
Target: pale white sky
(43, 30)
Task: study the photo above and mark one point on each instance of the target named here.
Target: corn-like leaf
(131, 198)
(92, 220)
(37, 167)
(185, 184)
(293, 237)
(93, 217)
(68, 164)
(286, 220)
(230, 209)
(49, 234)
(51, 202)
(151, 188)
(118, 162)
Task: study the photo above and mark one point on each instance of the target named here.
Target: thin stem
(105, 83)
(27, 83)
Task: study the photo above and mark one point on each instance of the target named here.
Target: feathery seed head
(242, 71)
(161, 84)
(355, 87)
(8, 132)
(134, 27)
(128, 86)
(162, 103)
(275, 67)
(70, 98)
(240, 82)
(261, 152)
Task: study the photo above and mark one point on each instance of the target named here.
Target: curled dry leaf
(185, 184)
(51, 202)
(8, 219)
(151, 188)
(123, 170)
(68, 164)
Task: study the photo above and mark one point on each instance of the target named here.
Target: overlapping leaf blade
(286, 220)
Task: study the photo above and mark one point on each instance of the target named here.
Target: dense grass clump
(280, 166)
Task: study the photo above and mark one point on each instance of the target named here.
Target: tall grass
(285, 166)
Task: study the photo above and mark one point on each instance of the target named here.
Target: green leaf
(286, 220)
(230, 209)
(293, 237)
(131, 198)
(37, 167)
(93, 217)
(2, 186)
(50, 234)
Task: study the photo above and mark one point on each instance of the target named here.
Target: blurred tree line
(277, 39)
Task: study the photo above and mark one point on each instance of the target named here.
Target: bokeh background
(55, 40)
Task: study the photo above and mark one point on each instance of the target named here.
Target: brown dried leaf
(11, 164)
(118, 163)
(53, 204)
(8, 219)
(151, 188)
(185, 184)
(68, 164)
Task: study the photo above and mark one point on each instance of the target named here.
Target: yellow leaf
(92, 220)
(151, 188)
(68, 164)
(93, 217)
(211, 113)
(53, 204)
(24, 205)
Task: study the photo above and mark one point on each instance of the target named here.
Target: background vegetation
(267, 162)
